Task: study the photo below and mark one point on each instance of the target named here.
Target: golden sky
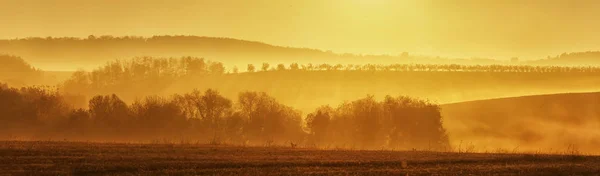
(456, 28)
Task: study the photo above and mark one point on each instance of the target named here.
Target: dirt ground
(87, 158)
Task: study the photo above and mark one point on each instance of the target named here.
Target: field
(531, 123)
(86, 158)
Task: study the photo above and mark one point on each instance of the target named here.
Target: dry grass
(83, 158)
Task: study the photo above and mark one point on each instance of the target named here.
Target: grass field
(531, 123)
(83, 158)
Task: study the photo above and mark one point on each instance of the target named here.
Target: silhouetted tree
(158, 116)
(280, 67)
(267, 119)
(294, 66)
(79, 124)
(110, 112)
(30, 110)
(265, 66)
(216, 68)
(251, 68)
(318, 123)
(400, 122)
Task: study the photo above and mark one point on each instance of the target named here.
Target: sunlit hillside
(531, 123)
(16, 71)
(570, 59)
(88, 53)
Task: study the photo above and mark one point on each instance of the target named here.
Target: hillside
(540, 122)
(73, 53)
(17, 72)
(571, 59)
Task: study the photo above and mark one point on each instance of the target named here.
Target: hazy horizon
(44, 52)
(459, 28)
(299, 87)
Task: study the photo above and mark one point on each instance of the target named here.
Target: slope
(536, 123)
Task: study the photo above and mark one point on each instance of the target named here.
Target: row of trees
(142, 76)
(148, 74)
(125, 46)
(428, 67)
(139, 75)
(97, 49)
(41, 112)
(255, 118)
(395, 122)
(574, 58)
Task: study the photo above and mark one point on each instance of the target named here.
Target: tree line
(255, 118)
(142, 76)
(139, 76)
(152, 74)
(574, 58)
(395, 122)
(99, 49)
(427, 68)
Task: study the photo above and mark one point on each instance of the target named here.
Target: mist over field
(299, 87)
(529, 123)
(71, 54)
(318, 91)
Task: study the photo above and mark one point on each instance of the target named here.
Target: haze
(299, 87)
(460, 28)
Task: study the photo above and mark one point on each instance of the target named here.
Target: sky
(454, 28)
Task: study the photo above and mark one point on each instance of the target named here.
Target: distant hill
(541, 122)
(571, 59)
(72, 53)
(17, 72)
(68, 53)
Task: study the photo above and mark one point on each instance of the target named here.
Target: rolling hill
(570, 59)
(69, 53)
(534, 123)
